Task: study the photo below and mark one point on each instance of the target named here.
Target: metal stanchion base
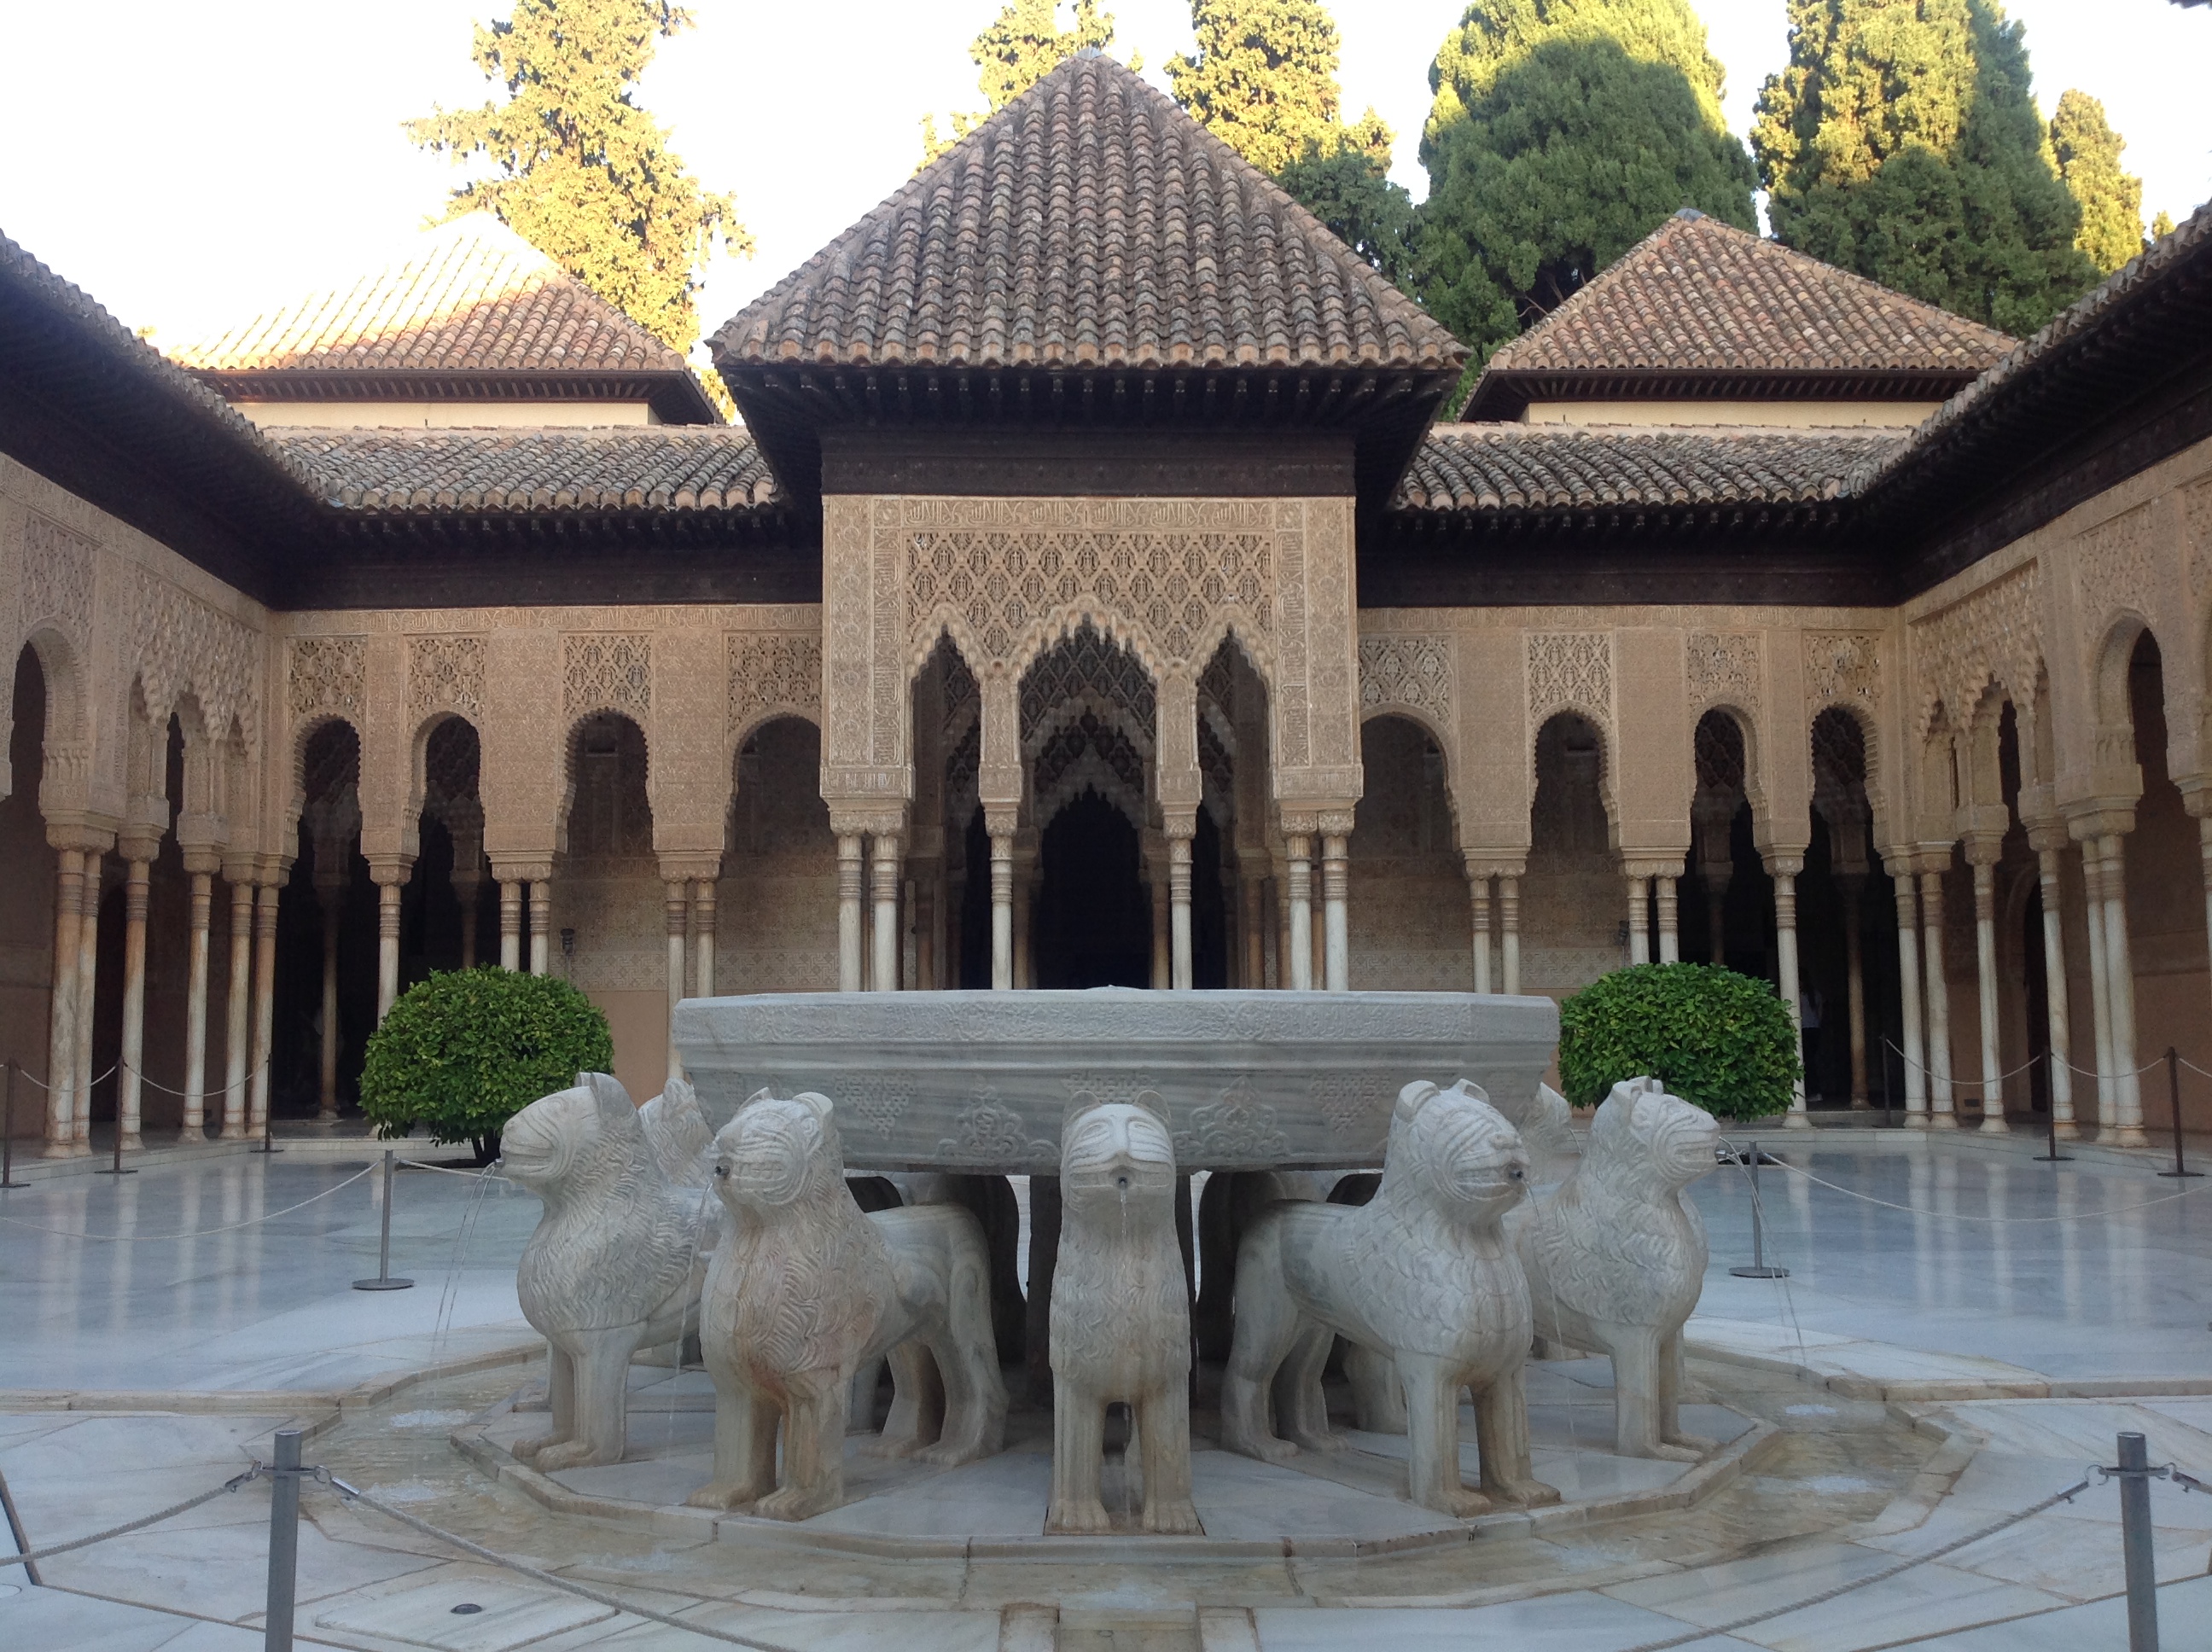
(1760, 1273)
(384, 1284)
(2064, 1158)
(2172, 1175)
(115, 1171)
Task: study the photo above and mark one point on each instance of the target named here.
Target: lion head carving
(1112, 1152)
(1641, 1131)
(779, 1151)
(587, 1135)
(1451, 1149)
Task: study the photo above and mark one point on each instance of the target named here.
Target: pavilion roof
(645, 468)
(1548, 467)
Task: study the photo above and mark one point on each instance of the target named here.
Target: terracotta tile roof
(641, 468)
(1089, 223)
(1519, 467)
(1697, 295)
(474, 299)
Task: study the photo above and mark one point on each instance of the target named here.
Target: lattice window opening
(1089, 733)
(330, 762)
(1722, 763)
(453, 759)
(606, 811)
(1567, 765)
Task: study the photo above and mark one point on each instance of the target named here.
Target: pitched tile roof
(1091, 222)
(1697, 297)
(1520, 467)
(472, 299)
(645, 468)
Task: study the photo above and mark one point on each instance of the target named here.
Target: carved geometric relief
(607, 671)
(190, 645)
(328, 674)
(1994, 634)
(57, 564)
(445, 673)
(2196, 512)
(2115, 566)
(1843, 665)
(1570, 670)
(1085, 670)
(1410, 671)
(772, 673)
(1723, 669)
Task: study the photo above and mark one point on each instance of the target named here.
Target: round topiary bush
(463, 1052)
(1714, 1037)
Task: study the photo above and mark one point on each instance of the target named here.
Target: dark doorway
(1093, 920)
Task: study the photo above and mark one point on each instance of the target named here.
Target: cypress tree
(1351, 193)
(1263, 80)
(1017, 49)
(1562, 133)
(2087, 151)
(1902, 142)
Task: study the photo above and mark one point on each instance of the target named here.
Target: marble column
(1477, 895)
(1509, 931)
(510, 923)
(702, 937)
(1940, 1108)
(62, 1016)
(391, 879)
(239, 1028)
(1852, 887)
(1670, 932)
(1336, 913)
(137, 858)
(1914, 1050)
(200, 866)
(885, 866)
(264, 999)
(999, 825)
(1639, 919)
(1982, 853)
(2048, 839)
(1179, 873)
(850, 877)
(1156, 886)
(676, 914)
(2100, 998)
(1282, 888)
(1784, 869)
(88, 981)
(541, 922)
(330, 893)
(1025, 879)
(2120, 983)
(1299, 850)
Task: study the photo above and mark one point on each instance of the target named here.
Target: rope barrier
(551, 1580)
(193, 1233)
(1974, 1078)
(49, 1088)
(486, 1174)
(1996, 1221)
(33, 1557)
(223, 1090)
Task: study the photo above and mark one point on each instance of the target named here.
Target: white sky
(192, 164)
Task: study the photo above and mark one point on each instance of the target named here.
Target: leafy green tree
(579, 170)
(1019, 47)
(1263, 80)
(2160, 227)
(2087, 151)
(1714, 1037)
(1351, 194)
(1903, 142)
(465, 1051)
(1562, 133)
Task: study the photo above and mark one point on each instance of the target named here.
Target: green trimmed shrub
(465, 1051)
(1714, 1037)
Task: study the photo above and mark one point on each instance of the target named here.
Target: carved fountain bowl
(981, 1081)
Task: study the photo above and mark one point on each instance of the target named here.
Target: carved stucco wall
(1411, 926)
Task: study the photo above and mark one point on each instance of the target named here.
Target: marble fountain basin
(980, 1080)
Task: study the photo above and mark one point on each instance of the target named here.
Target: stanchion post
(269, 1129)
(384, 1281)
(2134, 1476)
(1759, 1269)
(283, 1540)
(2173, 1094)
(7, 1132)
(2051, 1122)
(116, 1167)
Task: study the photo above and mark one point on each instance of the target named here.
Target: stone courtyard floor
(1923, 1372)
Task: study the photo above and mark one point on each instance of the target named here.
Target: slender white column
(885, 867)
(1477, 895)
(1639, 931)
(1981, 858)
(2120, 981)
(239, 1025)
(2100, 997)
(264, 1003)
(849, 880)
(1785, 871)
(62, 1016)
(138, 857)
(1336, 911)
(676, 912)
(1670, 935)
(200, 864)
(1939, 1000)
(1915, 1052)
(541, 924)
(1156, 885)
(510, 923)
(1508, 924)
(388, 890)
(1300, 851)
(1002, 907)
(702, 937)
(1179, 960)
(87, 974)
(332, 895)
(2047, 841)
(1283, 931)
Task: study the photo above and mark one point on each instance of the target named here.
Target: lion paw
(1321, 1442)
(1266, 1446)
(1526, 1494)
(794, 1503)
(570, 1454)
(1178, 1518)
(889, 1445)
(1695, 1444)
(947, 1455)
(1078, 1519)
(1460, 1503)
(524, 1451)
(721, 1497)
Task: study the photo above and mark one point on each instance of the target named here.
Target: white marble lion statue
(1616, 1258)
(1422, 1273)
(1120, 1318)
(806, 1289)
(615, 1265)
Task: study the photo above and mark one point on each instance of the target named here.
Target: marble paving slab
(513, 1614)
(1556, 1623)
(2185, 1615)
